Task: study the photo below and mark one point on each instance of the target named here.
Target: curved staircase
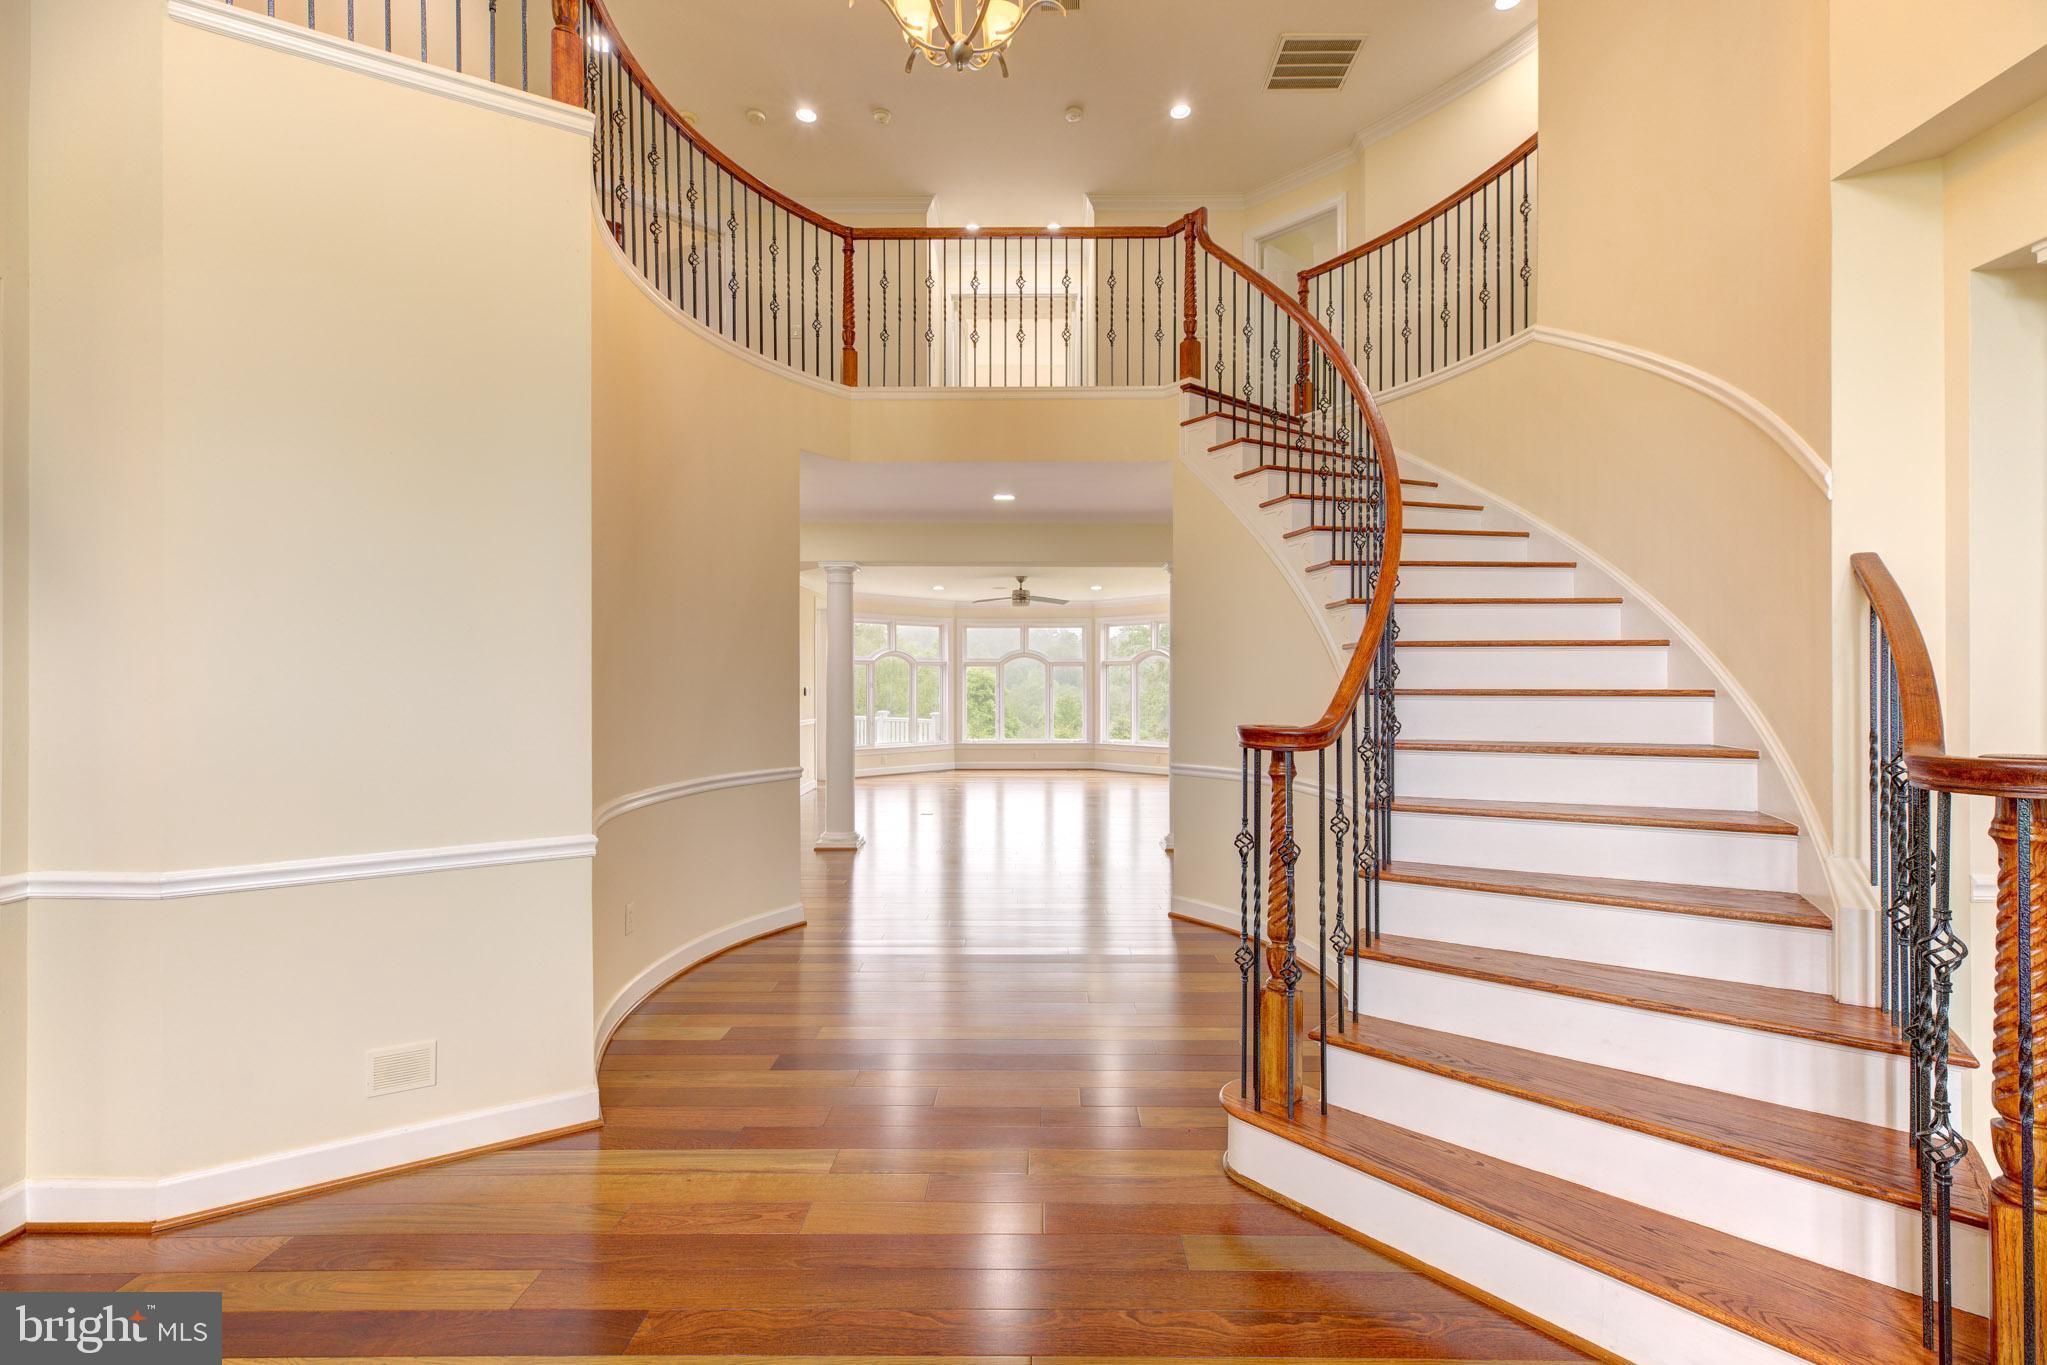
(1598, 1073)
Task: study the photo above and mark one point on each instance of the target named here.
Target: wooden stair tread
(1573, 813)
(1552, 691)
(1463, 531)
(1229, 400)
(1509, 746)
(1425, 531)
(1531, 644)
(1327, 446)
(1864, 1158)
(1507, 601)
(1713, 902)
(1258, 469)
(1316, 497)
(1487, 563)
(1809, 1310)
(1766, 1009)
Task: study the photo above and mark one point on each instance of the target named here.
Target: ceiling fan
(1021, 596)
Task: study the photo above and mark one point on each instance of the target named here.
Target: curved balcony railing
(1449, 282)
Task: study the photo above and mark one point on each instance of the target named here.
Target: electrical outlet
(631, 918)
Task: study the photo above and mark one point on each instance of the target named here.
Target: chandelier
(961, 45)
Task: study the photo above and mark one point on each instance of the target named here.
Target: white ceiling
(996, 151)
(1093, 490)
(963, 583)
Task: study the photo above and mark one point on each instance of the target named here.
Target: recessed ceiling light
(1051, 227)
(805, 114)
(1005, 497)
(1094, 587)
(938, 587)
(1181, 110)
(1505, 4)
(973, 227)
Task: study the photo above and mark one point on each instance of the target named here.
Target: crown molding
(212, 881)
(1172, 202)
(916, 206)
(1459, 85)
(1308, 174)
(279, 35)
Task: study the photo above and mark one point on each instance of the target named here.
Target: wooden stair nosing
(1218, 396)
(1506, 601)
(1583, 748)
(1862, 1158)
(1764, 1009)
(1318, 497)
(1329, 448)
(1629, 643)
(1462, 531)
(1808, 1310)
(1427, 531)
(1258, 469)
(1576, 813)
(1786, 908)
(1442, 563)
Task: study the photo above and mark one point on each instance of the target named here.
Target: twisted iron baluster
(1247, 953)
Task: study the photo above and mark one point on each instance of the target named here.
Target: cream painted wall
(1244, 651)
(1691, 501)
(1684, 189)
(1893, 72)
(1408, 170)
(1050, 424)
(14, 392)
(309, 578)
(695, 453)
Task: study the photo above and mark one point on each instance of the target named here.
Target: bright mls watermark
(165, 1329)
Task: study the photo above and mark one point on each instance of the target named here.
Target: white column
(838, 829)
(1172, 734)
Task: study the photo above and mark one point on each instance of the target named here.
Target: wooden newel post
(1279, 1004)
(565, 53)
(849, 357)
(1190, 345)
(2007, 1193)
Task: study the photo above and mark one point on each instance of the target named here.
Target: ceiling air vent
(1313, 61)
(393, 1069)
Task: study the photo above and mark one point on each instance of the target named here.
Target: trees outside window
(898, 683)
(1025, 683)
(1136, 682)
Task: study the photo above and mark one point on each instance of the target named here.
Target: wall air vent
(393, 1069)
(1313, 61)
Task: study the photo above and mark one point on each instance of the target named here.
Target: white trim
(861, 393)
(1212, 771)
(1204, 913)
(94, 1200)
(807, 786)
(13, 1207)
(1458, 86)
(296, 40)
(1983, 888)
(1338, 203)
(689, 786)
(211, 881)
(1736, 400)
(1294, 179)
(678, 960)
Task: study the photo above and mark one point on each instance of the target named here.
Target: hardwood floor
(969, 1111)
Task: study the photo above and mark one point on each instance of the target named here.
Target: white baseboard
(673, 963)
(13, 1208)
(808, 785)
(1221, 917)
(218, 1187)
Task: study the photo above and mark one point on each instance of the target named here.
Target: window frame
(1104, 663)
(1085, 663)
(893, 650)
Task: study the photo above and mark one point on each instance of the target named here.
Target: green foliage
(980, 703)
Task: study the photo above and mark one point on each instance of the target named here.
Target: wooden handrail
(1927, 760)
(1443, 205)
(1321, 733)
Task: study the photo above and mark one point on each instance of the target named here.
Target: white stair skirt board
(1693, 857)
(1618, 936)
(680, 959)
(848, 841)
(278, 1173)
(1536, 720)
(13, 1208)
(1532, 665)
(1591, 779)
(1460, 580)
(1854, 1083)
(1630, 1322)
(1873, 1238)
(1503, 621)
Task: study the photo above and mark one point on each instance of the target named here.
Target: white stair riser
(1486, 581)
(1419, 544)
(1608, 720)
(1629, 1322)
(1318, 512)
(1594, 779)
(1619, 936)
(1535, 666)
(1872, 1238)
(1694, 857)
(1273, 482)
(1871, 1087)
(1535, 621)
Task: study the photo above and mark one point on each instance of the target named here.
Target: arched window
(1137, 681)
(1025, 683)
(898, 683)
